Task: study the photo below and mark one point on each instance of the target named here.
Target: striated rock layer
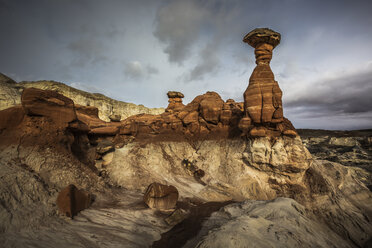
(10, 95)
(263, 97)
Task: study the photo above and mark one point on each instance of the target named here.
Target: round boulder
(160, 196)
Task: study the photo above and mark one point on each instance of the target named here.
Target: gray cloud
(178, 26)
(343, 95)
(87, 51)
(208, 63)
(135, 70)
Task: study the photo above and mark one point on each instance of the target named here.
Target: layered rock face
(10, 95)
(263, 97)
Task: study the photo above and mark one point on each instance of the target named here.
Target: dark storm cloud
(347, 95)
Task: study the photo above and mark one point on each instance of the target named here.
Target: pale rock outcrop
(349, 148)
(282, 222)
(10, 95)
(233, 169)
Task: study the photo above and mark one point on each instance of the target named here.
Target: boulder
(211, 107)
(71, 200)
(175, 94)
(115, 118)
(48, 103)
(159, 196)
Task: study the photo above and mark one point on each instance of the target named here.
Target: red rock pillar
(263, 97)
(175, 101)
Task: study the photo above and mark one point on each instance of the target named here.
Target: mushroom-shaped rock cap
(262, 35)
(175, 94)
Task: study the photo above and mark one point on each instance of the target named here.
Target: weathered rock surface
(159, 196)
(263, 97)
(349, 148)
(71, 200)
(278, 223)
(233, 169)
(10, 95)
(36, 102)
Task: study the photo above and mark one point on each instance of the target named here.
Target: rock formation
(175, 101)
(10, 95)
(71, 200)
(209, 116)
(36, 102)
(161, 196)
(349, 148)
(263, 97)
(213, 153)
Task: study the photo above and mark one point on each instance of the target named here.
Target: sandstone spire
(263, 97)
(175, 101)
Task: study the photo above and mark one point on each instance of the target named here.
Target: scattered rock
(159, 196)
(71, 201)
(211, 107)
(115, 118)
(199, 173)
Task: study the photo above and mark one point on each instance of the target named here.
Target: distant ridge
(10, 95)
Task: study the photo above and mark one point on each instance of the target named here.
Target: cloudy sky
(136, 51)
